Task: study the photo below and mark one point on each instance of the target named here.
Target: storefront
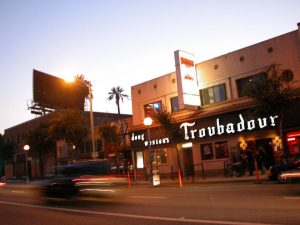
(208, 143)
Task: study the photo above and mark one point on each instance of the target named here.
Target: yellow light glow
(69, 79)
(187, 145)
(148, 121)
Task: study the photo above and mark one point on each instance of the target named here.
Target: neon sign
(141, 137)
(229, 128)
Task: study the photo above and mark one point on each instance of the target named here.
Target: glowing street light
(26, 149)
(148, 122)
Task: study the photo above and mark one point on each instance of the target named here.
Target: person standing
(244, 159)
(250, 158)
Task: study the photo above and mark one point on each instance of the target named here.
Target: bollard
(179, 178)
(129, 182)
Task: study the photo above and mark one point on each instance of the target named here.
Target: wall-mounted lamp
(243, 145)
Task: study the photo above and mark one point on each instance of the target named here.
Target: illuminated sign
(229, 128)
(187, 86)
(153, 142)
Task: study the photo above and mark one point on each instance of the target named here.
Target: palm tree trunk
(118, 105)
(178, 161)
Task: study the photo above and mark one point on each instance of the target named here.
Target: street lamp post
(148, 122)
(89, 85)
(94, 153)
(26, 148)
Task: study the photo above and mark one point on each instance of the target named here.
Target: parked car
(82, 178)
(276, 170)
(289, 176)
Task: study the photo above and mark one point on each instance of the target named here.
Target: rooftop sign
(187, 86)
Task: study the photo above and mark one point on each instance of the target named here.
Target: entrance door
(266, 145)
(188, 161)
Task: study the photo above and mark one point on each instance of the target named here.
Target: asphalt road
(229, 203)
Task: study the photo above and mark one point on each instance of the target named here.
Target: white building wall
(160, 89)
(286, 52)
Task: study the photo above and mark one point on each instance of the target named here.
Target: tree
(110, 141)
(41, 142)
(117, 94)
(80, 81)
(68, 124)
(171, 130)
(109, 135)
(273, 94)
(6, 154)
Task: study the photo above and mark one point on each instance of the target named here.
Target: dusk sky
(122, 42)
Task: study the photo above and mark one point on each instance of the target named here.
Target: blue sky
(122, 42)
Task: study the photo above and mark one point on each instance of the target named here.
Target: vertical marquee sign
(187, 86)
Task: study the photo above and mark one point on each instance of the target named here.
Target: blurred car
(276, 170)
(82, 178)
(289, 176)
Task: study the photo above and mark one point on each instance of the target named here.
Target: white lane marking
(151, 197)
(292, 198)
(171, 219)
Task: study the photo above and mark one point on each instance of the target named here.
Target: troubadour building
(208, 103)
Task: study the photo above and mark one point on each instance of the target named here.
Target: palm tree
(172, 130)
(117, 94)
(83, 91)
(273, 94)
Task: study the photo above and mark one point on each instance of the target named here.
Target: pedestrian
(244, 159)
(261, 159)
(250, 157)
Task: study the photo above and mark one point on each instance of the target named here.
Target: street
(223, 203)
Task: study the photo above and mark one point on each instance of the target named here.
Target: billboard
(53, 92)
(187, 85)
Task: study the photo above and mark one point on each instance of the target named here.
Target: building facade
(28, 163)
(221, 127)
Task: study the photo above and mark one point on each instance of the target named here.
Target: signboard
(54, 92)
(187, 85)
(218, 128)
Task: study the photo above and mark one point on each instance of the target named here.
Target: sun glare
(69, 79)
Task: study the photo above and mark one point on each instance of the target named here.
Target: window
(244, 83)
(216, 150)
(174, 104)
(160, 155)
(151, 108)
(213, 94)
(99, 145)
(221, 149)
(207, 151)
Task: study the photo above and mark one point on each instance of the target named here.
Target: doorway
(267, 147)
(188, 161)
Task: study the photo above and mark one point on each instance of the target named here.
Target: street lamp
(89, 85)
(148, 122)
(26, 148)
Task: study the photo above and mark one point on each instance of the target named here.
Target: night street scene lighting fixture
(148, 122)
(26, 149)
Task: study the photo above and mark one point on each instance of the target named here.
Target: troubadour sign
(229, 128)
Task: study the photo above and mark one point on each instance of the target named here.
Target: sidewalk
(169, 182)
(208, 180)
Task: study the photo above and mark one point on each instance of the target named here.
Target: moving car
(83, 178)
(276, 170)
(289, 176)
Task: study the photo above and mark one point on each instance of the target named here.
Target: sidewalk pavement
(262, 178)
(169, 182)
